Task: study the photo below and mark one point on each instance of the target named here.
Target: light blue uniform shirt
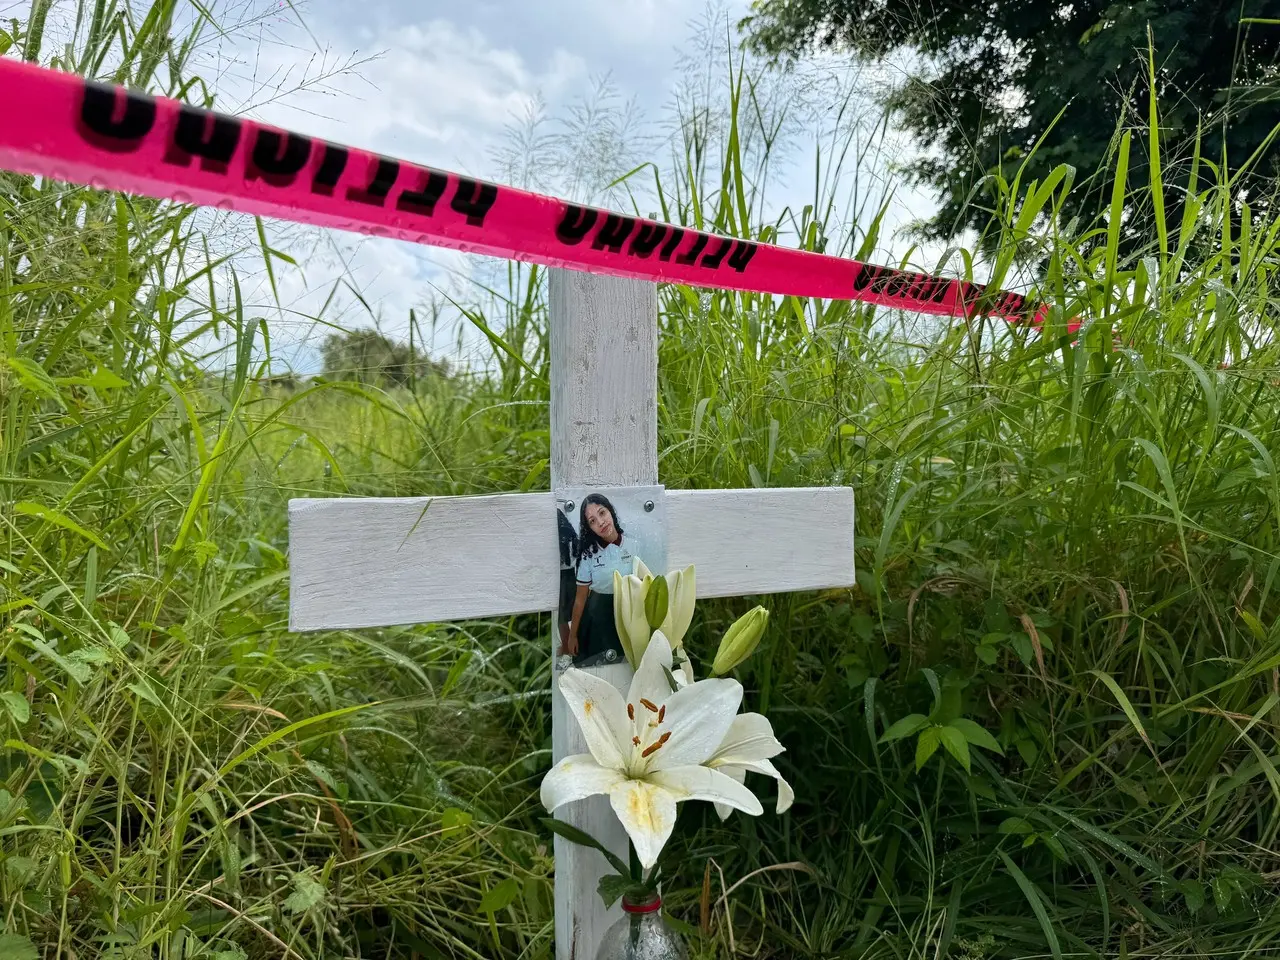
(596, 571)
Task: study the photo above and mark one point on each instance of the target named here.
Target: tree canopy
(992, 78)
(368, 356)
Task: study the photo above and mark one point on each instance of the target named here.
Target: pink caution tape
(61, 126)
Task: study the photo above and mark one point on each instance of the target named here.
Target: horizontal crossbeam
(380, 562)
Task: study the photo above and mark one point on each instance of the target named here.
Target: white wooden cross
(380, 562)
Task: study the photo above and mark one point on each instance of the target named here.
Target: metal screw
(648, 506)
(568, 505)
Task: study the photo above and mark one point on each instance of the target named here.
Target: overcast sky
(443, 82)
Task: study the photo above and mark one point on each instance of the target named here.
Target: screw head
(568, 505)
(648, 506)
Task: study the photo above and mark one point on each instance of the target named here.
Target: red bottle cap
(649, 906)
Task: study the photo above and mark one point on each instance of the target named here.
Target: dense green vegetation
(1069, 540)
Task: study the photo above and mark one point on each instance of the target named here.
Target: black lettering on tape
(115, 119)
(647, 239)
(742, 254)
(332, 164)
(613, 233)
(691, 255)
(918, 281)
(714, 258)
(865, 276)
(895, 284)
(204, 134)
(884, 279)
(474, 199)
(277, 158)
(673, 241)
(374, 193)
(576, 223)
(944, 288)
(423, 200)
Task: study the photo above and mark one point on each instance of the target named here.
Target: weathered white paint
(373, 562)
(604, 432)
(365, 562)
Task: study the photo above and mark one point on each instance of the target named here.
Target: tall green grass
(1067, 539)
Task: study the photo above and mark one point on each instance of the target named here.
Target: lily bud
(629, 616)
(681, 586)
(740, 640)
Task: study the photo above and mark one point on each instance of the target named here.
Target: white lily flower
(747, 748)
(649, 751)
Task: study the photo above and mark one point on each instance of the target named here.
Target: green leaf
(955, 743)
(656, 601)
(1193, 893)
(612, 886)
(143, 689)
(501, 896)
(927, 745)
(91, 655)
(17, 706)
(454, 820)
(49, 515)
(1016, 825)
(976, 735)
(904, 727)
(1125, 705)
(1223, 893)
(20, 870)
(32, 376)
(14, 946)
(455, 673)
(1036, 900)
(307, 893)
(584, 839)
(1055, 846)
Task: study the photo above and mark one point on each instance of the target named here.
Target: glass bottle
(642, 934)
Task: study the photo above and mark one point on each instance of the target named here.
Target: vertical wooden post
(604, 432)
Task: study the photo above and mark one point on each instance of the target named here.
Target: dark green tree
(991, 78)
(368, 356)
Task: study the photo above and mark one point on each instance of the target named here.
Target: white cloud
(430, 91)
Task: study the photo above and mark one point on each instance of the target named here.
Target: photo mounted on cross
(602, 530)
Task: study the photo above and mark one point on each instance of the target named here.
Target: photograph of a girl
(605, 542)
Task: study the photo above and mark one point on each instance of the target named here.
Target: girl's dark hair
(588, 542)
(568, 540)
